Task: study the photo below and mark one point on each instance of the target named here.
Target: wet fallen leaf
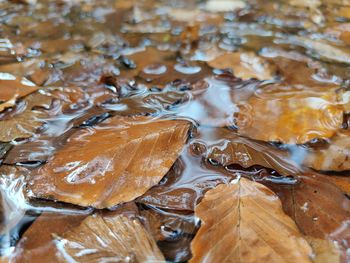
(109, 238)
(318, 207)
(26, 118)
(323, 49)
(245, 65)
(37, 243)
(99, 173)
(13, 88)
(288, 115)
(343, 182)
(244, 222)
(336, 157)
(227, 148)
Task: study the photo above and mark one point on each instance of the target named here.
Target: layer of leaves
(244, 222)
(109, 238)
(112, 163)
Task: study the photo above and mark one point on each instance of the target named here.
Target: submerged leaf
(13, 88)
(288, 115)
(26, 118)
(109, 239)
(114, 162)
(227, 148)
(245, 65)
(244, 222)
(37, 243)
(336, 157)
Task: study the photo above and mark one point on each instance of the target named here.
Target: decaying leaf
(227, 148)
(288, 115)
(109, 239)
(318, 207)
(112, 163)
(343, 182)
(13, 88)
(245, 65)
(336, 157)
(37, 243)
(26, 118)
(244, 222)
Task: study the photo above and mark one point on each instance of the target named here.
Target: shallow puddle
(154, 130)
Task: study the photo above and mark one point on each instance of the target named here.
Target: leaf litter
(143, 131)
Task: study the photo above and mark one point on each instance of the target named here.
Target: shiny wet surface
(136, 109)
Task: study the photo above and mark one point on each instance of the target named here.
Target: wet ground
(121, 115)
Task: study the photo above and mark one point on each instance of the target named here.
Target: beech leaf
(334, 158)
(284, 114)
(109, 239)
(114, 162)
(244, 222)
(245, 65)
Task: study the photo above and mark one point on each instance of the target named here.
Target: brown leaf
(13, 88)
(37, 243)
(343, 182)
(244, 222)
(245, 65)
(227, 148)
(336, 157)
(288, 115)
(318, 207)
(109, 238)
(26, 118)
(111, 163)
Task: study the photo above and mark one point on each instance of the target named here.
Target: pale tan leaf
(325, 251)
(336, 157)
(244, 222)
(245, 65)
(114, 162)
(109, 239)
